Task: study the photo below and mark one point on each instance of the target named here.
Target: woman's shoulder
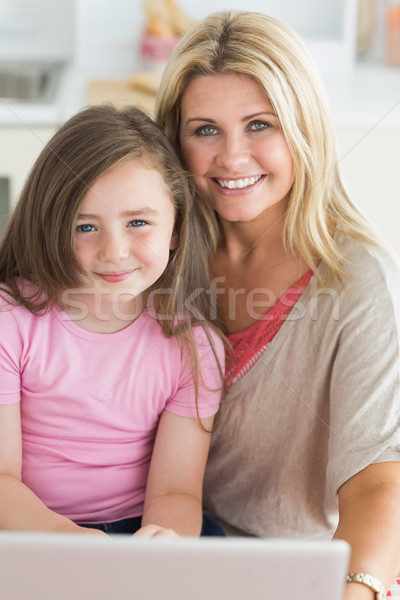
(370, 287)
(369, 263)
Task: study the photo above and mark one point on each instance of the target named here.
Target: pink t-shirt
(90, 405)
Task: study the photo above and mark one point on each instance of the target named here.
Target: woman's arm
(20, 508)
(174, 487)
(369, 520)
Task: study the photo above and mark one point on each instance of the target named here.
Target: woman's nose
(232, 153)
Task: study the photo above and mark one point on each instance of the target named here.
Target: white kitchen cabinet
(19, 148)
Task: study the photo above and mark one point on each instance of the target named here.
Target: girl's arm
(20, 508)
(369, 520)
(174, 487)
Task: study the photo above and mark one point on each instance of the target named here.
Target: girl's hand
(151, 530)
(71, 527)
(88, 531)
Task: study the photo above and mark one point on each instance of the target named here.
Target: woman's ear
(174, 243)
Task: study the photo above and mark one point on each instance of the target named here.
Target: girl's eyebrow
(145, 211)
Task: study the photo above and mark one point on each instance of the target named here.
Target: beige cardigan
(320, 404)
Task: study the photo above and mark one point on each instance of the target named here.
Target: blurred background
(57, 56)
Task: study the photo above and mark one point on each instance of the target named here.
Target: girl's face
(124, 233)
(232, 142)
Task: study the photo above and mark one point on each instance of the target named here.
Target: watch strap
(372, 582)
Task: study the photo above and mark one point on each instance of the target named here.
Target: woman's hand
(369, 520)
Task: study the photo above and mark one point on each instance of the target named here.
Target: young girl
(109, 372)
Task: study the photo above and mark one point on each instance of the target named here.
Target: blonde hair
(276, 57)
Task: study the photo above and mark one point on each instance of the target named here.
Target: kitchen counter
(119, 92)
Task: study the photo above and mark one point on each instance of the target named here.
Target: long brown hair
(38, 245)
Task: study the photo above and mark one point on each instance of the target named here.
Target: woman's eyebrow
(245, 118)
(259, 114)
(200, 119)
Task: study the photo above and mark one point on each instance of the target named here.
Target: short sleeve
(365, 382)
(10, 356)
(211, 361)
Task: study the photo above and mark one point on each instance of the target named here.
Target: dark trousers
(131, 525)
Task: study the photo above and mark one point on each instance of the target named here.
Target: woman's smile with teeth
(238, 183)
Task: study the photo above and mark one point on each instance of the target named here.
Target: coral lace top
(248, 345)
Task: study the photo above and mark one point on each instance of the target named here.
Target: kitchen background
(59, 55)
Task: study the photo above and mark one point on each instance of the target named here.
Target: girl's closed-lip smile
(115, 277)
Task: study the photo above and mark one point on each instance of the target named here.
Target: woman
(308, 442)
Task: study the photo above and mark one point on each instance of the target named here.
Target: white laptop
(38, 566)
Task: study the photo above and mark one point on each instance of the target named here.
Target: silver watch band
(372, 582)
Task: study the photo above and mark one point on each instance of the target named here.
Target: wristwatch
(372, 582)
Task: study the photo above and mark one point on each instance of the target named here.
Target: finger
(166, 533)
(151, 530)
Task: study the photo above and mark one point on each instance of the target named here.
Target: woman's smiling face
(233, 144)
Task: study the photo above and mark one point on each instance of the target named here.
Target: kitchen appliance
(40, 85)
(37, 47)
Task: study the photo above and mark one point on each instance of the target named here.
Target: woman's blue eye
(206, 130)
(137, 223)
(85, 228)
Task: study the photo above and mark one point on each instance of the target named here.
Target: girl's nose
(114, 247)
(232, 153)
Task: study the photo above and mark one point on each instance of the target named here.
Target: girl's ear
(174, 243)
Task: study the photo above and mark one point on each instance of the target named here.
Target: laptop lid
(41, 566)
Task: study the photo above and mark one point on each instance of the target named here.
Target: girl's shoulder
(183, 326)
(9, 302)
(206, 336)
(23, 286)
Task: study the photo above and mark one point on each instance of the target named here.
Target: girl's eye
(260, 125)
(137, 223)
(85, 228)
(206, 130)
